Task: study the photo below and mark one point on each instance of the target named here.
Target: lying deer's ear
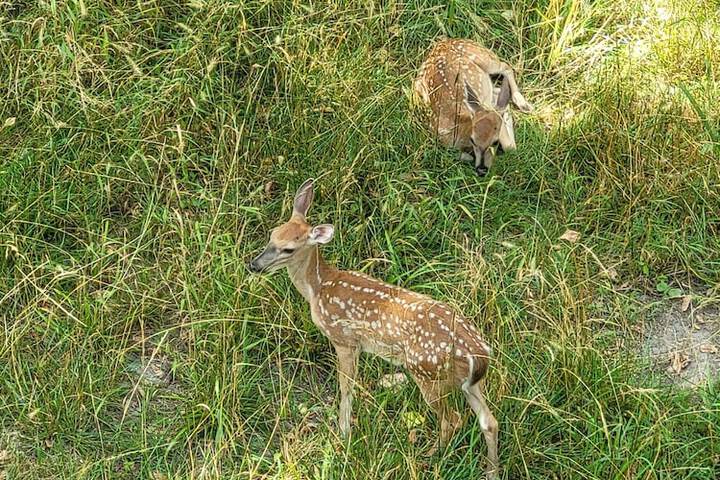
(303, 198)
(321, 234)
(503, 97)
(471, 100)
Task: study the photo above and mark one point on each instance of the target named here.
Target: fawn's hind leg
(488, 424)
(449, 419)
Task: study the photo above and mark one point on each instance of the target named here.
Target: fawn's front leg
(347, 370)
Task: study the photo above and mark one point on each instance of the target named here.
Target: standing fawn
(439, 348)
(455, 82)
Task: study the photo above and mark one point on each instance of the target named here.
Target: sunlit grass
(148, 148)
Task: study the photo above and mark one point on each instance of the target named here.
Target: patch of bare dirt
(9, 450)
(153, 370)
(150, 375)
(684, 343)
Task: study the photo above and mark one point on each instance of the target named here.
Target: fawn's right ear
(303, 198)
(471, 100)
(321, 234)
(503, 97)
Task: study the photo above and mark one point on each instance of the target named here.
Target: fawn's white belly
(391, 353)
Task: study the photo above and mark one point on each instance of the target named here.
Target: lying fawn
(439, 348)
(455, 82)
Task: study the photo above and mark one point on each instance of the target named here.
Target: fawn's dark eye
(288, 250)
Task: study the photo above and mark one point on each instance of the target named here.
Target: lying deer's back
(442, 76)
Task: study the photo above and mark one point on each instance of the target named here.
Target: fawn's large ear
(503, 97)
(472, 102)
(303, 198)
(321, 234)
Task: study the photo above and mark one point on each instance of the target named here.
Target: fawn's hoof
(481, 170)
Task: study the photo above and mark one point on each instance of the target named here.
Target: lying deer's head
(490, 127)
(292, 240)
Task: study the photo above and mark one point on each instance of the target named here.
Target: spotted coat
(356, 312)
(426, 336)
(440, 87)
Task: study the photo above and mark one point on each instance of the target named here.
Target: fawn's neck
(307, 273)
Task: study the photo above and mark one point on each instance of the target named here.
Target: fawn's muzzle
(254, 267)
(265, 261)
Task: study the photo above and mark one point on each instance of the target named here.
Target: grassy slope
(154, 144)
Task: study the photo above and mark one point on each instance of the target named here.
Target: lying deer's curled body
(467, 113)
(357, 313)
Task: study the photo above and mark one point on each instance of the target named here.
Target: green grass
(146, 149)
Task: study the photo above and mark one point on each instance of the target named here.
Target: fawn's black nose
(253, 266)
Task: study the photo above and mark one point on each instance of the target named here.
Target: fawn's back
(406, 328)
(442, 77)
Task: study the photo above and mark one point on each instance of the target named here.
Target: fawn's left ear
(303, 198)
(321, 234)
